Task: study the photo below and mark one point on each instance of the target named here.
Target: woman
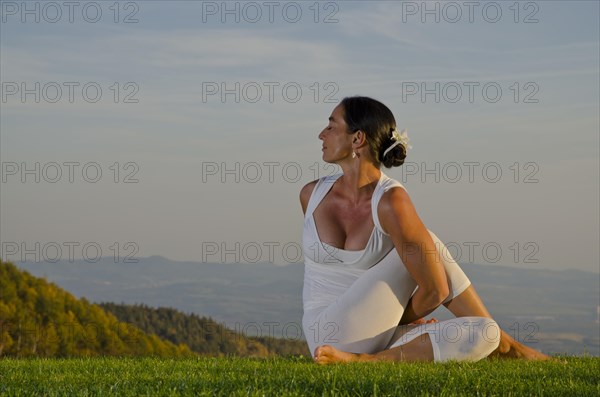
(372, 269)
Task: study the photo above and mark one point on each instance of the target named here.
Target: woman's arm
(417, 250)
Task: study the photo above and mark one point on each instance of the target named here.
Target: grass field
(293, 377)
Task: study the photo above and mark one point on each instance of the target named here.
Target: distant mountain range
(551, 311)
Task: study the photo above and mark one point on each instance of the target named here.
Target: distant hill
(203, 335)
(37, 318)
(552, 311)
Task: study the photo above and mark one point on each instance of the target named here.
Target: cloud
(147, 52)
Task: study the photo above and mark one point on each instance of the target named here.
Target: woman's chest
(347, 227)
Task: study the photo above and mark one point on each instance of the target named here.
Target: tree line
(202, 334)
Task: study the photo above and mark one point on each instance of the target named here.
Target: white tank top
(318, 251)
(329, 270)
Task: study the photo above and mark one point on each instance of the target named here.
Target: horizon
(109, 259)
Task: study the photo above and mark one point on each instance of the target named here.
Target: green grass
(293, 377)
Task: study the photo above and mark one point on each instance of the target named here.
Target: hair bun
(394, 154)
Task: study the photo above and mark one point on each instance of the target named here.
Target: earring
(353, 154)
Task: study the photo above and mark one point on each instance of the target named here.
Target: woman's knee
(466, 339)
(487, 338)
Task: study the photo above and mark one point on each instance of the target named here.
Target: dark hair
(377, 122)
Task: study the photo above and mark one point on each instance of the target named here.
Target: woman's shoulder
(392, 193)
(309, 187)
(395, 204)
(390, 183)
(307, 190)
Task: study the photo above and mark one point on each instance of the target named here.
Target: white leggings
(365, 317)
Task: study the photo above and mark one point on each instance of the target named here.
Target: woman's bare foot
(327, 354)
(424, 321)
(510, 348)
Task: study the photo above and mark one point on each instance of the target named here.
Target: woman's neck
(359, 179)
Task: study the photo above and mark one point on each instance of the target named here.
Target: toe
(319, 351)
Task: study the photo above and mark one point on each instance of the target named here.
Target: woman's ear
(361, 138)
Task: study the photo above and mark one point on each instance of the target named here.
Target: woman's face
(337, 143)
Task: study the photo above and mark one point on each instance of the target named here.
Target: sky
(186, 129)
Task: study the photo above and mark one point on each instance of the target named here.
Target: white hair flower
(400, 138)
